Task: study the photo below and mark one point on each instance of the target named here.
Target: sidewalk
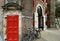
(54, 31)
(50, 35)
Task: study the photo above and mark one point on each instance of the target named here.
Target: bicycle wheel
(39, 34)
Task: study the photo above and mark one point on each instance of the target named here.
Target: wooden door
(12, 28)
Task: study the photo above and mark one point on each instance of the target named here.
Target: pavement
(50, 35)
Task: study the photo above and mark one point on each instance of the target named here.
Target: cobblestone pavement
(50, 35)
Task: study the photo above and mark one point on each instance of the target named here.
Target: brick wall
(27, 11)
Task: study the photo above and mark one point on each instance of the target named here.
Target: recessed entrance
(40, 18)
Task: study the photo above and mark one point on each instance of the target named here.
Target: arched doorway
(40, 17)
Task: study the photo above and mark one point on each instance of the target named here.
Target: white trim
(19, 13)
(36, 20)
(36, 14)
(41, 7)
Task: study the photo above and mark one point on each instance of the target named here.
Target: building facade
(11, 7)
(36, 8)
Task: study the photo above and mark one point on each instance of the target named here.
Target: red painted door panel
(12, 28)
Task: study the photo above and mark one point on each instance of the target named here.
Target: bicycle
(32, 35)
(37, 33)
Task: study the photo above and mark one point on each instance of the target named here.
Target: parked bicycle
(37, 33)
(31, 35)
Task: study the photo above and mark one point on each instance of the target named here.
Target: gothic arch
(36, 18)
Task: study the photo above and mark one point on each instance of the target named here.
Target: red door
(12, 28)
